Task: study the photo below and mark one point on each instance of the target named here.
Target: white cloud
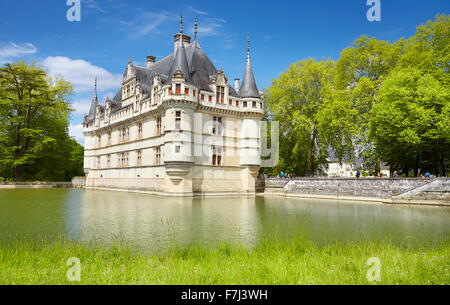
(211, 27)
(197, 11)
(81, 73)
(81, 106)
(149, 22)
(11, 50)
(92, 5)
(76, 131)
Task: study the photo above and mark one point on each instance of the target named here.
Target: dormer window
(220, 95)
(178, 89)
(186, 91)
(202, 97)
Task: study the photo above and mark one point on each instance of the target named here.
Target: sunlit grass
(272, 261)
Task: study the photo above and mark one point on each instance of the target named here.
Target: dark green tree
(34, 119)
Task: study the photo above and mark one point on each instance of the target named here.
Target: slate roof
(191, 60)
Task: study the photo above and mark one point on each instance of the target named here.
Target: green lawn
(271, 262)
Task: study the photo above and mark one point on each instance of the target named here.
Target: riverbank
(293, 262)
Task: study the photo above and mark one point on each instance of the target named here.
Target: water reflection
(155, 223)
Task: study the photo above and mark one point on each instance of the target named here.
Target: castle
(176, 127)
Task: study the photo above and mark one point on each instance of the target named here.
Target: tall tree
(410, 124)
(294, 100)
(34, 114)
(344, 117)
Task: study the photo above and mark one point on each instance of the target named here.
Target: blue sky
(281, 32)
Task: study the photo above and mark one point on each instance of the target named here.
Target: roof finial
(181, 23)
(248, 47)
(95, 88)
(195, 28)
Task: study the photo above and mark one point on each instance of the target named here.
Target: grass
(296, 261)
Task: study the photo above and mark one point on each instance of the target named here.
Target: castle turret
(94, 103)
(248, 87)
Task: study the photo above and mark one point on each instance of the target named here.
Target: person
(427, 175)
(378, 175)
(358, 174)
(395, 174)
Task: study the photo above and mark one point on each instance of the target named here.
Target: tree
(294, 100)
(34, 116)
(348, 99)
(410, 122)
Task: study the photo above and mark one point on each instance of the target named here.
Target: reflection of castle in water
(154, 223)
(158, 222)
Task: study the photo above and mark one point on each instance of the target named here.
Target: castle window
(245, 104)
(155, 96)
(230, 102)
(210, 98)
(217, 126)
(177, 120)
(220, 95)
(216, 155)
(123, 159)
(177, 149)
(109, 137)
(158, 126)
(98, 162)
(195, 92)
(178, 89)
(139, 157)
(99, 141)
(237, 103)
(254, 104)
(108, 160)
(169, 91)
(186, 91)
(158, 156)
(139, 130)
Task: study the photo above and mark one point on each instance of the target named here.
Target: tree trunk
(18, 173)
(377, 165)
(416, 167)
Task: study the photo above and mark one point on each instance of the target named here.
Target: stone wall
(403, 190)
(34, 184)
(79, 182)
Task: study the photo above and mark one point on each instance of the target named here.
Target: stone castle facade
(176, 127)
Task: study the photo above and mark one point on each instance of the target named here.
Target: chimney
(236, 84)
(150, 61)
(176, 40)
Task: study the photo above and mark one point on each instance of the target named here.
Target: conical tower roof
(94, 102)
(248, 87)
(180, 62)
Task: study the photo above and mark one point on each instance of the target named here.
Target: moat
(154, 223)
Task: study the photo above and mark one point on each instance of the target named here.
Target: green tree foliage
(294, 100)
(410, 123)
(379, 101)
(34, 118)
(344, 116)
